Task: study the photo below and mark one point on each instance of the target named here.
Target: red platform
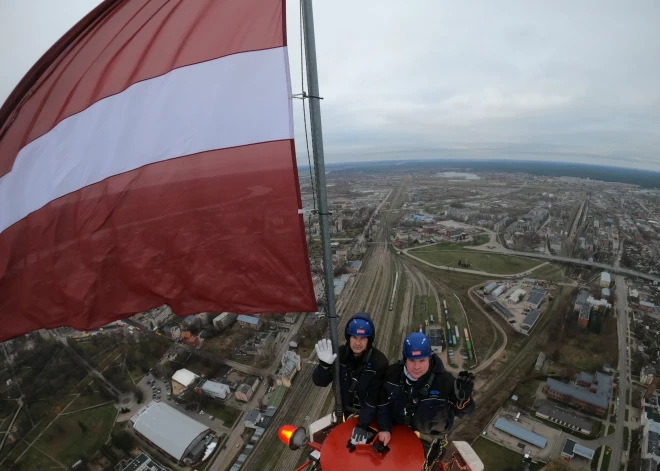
(406, 451)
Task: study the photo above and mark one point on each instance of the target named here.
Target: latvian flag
(148, 158)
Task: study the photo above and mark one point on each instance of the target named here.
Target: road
(624, 371)
(556, 258)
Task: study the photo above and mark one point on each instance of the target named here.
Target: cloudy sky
(559, 81)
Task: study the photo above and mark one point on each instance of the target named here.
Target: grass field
(67, 440)
(550, 272)
(606, 459)
(486, 262)
(594, 462)
(498, 458)
(227, 414)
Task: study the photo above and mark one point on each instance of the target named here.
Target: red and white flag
(148, 158)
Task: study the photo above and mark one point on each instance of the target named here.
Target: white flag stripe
(233, 101)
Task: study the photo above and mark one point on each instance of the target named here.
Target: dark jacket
(368, 378)
(431, 413)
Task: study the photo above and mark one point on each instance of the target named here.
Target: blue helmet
(359, 327)
(416, 346)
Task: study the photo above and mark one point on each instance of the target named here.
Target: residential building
(290, 317)
(582, 298)
(190, 339)
(646, 375)
(224, 320)
(250, 321)
(605, 293)
(246, 390)
(253, 419)
(605, 280)
(650, 442)
(540, 360)
(213, 389)
(583, 316)
(593, 397)
(646, 306)
(291, 364)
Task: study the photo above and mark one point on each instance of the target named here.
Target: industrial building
(521, 433)
(582, 298)
(490, 287)
(572, 448)
(437, 338)
(565, 418)
(503, 311)
(499, 291)
(531, 319)
(516, 296)
(536, 297)
(213, 389)
(180, 437)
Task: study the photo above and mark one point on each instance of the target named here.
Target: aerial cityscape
(261, 235)
(546, 288)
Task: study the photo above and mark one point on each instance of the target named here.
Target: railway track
(369, 291)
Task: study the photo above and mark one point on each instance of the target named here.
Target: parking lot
(151, 393)
(526, 422)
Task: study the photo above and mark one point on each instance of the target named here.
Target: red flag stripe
(209, 232)
(137, 127)
(124, 42)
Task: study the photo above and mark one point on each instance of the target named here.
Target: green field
(606, 459)
(227, 414)
(486, 262)
(549, 272)
(594, 461)
(73, 435)
(498, 458)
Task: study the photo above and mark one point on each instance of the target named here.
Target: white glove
(324, 351)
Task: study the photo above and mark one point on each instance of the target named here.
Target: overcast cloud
(561, 80)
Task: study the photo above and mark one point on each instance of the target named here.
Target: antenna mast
(321, 193)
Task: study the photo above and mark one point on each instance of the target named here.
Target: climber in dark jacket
(419, 392)
(362, 368)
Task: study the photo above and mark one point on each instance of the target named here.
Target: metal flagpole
(321, 194)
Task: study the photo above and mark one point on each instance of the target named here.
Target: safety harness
(413, 399)
(354, 375)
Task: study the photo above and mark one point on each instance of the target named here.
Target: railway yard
(500, 356)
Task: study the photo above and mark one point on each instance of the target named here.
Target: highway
(556, 258)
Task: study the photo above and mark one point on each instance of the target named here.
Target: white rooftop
(167, 428)
(184, 377)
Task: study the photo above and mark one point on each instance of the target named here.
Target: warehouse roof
(167, 428)
(248, 319)
(572, 448)
(184, 377)
(531, 317)
(536, 296)
(521, 433)
(564, 415)
(502, 310)
(490, 286)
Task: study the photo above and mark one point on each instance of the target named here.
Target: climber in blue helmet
(419, 392)
(362, 368)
